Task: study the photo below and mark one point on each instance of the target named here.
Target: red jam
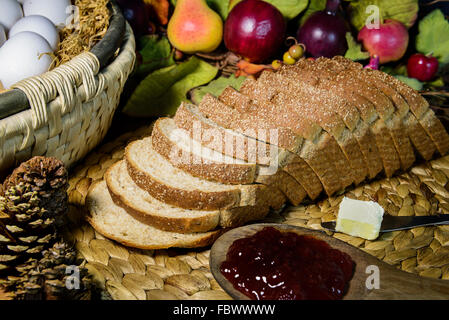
(274, 265)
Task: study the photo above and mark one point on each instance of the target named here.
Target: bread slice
(409, 103)
(176, 145)
(383, 104)
(189, 155)
(420, 108)
(251, 124)
(239, 146)
(419, 138)
(321, 75)
(143, 207)
(319, 150)
(215, 137)
(244, 105)
(321, 108)
(382, 91)
(153, 173)
(115, 223)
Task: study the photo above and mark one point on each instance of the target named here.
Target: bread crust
(204, 240)
(319, 149)
(196, 199)
(317, 73)
(185, 119)
(295, 166)
(384, 98)
(332, 113)
(170, 224)
(228, 173)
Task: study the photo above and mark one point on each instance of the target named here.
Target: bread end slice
(115, 223)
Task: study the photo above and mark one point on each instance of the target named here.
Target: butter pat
(359, 218)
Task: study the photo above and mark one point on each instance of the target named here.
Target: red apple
(254, 29)
(389, 41)
(422, 67)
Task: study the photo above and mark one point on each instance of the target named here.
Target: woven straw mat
(71, 108)
(184, 273)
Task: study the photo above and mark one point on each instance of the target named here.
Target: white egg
(2, 35)
(10, 12)
(55, 10)
(23, 56)
(40, 25)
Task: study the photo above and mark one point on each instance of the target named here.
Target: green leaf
(405, 11)
(290, 8)
(161, 92)
(438, 82)
(414, 83)
(156, 53)
(216, 87)
(433, 36)
(314, 6)
(219, 6)
(395, 70)
(354, 51)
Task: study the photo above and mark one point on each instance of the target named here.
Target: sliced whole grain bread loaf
(115, 223)
(143, 207)
(153, 173)
(183, 152)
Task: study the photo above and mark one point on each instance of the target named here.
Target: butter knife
(395, 223)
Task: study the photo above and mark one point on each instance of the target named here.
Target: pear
(194, 27)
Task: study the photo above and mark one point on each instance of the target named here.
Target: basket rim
(15, 100)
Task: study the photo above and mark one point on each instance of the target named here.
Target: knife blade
(395, 223)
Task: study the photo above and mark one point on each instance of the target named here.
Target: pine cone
(46, 176)
(25, 228)
(46, 278)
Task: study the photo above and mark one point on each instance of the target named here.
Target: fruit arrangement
(187, 48)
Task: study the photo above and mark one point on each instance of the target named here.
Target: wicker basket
(66, 112)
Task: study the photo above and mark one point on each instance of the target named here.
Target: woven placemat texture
(129, 273)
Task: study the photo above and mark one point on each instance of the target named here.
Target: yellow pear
(194, 27)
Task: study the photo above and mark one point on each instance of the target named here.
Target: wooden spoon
(393, 283)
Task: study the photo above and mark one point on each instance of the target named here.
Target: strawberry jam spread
(275, 265)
